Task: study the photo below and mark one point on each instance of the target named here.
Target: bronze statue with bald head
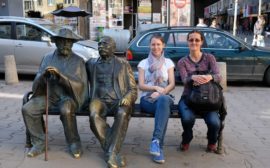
(112, 91)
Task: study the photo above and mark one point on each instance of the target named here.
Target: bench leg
(220, 149)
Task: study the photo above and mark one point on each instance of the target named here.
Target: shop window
(40, 2)
(51, 2)
(69, 1)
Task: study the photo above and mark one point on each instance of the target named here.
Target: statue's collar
(107, 60)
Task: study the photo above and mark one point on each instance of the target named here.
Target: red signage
(180, 3)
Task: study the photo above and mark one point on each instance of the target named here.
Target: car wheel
(267, 77)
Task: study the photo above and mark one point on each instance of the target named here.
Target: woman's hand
(155, 95)
(160, 90)
(201, 79)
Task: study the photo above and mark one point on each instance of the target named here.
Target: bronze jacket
(73, 77)
(125, 86)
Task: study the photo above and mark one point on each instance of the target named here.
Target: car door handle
(19, 45)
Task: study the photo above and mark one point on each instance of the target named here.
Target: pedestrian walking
(258, 39)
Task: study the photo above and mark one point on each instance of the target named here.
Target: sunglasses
(192, 40)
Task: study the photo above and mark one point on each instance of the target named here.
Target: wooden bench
(136, 113)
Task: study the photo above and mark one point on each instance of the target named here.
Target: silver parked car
(29, 40)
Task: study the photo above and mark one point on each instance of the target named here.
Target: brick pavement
(246, 136)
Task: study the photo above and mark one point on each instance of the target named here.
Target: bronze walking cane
(46, 122)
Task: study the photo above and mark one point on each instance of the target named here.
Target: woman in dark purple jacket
(188, 66)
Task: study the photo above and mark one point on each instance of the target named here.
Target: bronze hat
(67, 34)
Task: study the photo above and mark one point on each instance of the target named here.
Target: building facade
(247, 13)
(7, 8)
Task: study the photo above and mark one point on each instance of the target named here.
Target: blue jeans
(188, 119)
(162, 109)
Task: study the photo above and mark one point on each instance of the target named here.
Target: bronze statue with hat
(64, 74)
(112, 91)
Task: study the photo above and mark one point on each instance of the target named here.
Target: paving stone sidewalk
(246, 136)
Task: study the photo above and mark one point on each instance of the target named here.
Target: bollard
(223, 71)
(11, 75)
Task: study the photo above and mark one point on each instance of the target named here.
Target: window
(40, 3)
(51, 2)
(27, 5)
(181, 39)
(171, 40)
(69, 1)
(5, 30)
(218, 40)
(29, 32)
(146, 39)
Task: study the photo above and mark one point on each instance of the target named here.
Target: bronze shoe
(121, 160)
(34, 151)
(75, 150)
(113, 161)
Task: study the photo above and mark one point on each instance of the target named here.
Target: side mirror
(47, 39)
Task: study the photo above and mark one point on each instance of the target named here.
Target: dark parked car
(244, 62)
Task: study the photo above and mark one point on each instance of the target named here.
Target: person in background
(197, 61)
(214, 23)
(201, 23)
(156, 81)
(258, 30)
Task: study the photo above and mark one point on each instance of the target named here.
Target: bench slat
(137, 112)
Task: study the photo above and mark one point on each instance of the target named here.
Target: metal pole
(46, 121)
(260, 8)
(168, 13)
(235, 17)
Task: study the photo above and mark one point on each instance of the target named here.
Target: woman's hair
(196, 31)
(262, 19)
(214, 19)
(157, 36)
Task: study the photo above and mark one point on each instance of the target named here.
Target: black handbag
(205, 97)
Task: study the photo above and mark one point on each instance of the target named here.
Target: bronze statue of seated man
(112, 91)
(63, 73)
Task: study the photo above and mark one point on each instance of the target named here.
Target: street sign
(180, 3)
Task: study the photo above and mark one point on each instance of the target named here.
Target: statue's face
(64, 46)
(106, 48)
